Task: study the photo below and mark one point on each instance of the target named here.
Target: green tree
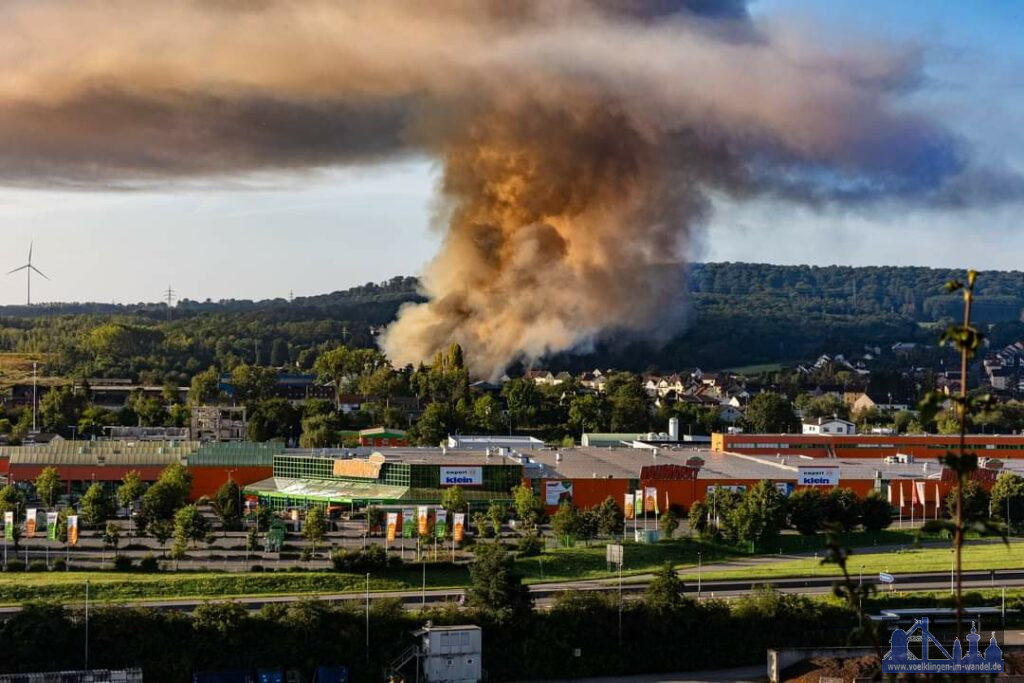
(526, 504)
(190, 526)
(630, 406)
(770, 413)
(314, 529)
(487, 417)
(664, 593)
(48, 485)
(842, 507)
(162, 530)
(975, 502)
(60, 409)
(668, 524)
(609, 518)
(205, 388)
(1007, 500)
(453, 500)
(96, 506)
(253, 384)
(875, 511)
(497, 514)
(131, 489)
(274, 418)
(495, 587)
(167, 494)
(806, 510)
(698, 517)
(112, 536)
(521, 397)
(759, 516)
(588, 413)
(567, 523)
(434, 424)
(227, 505)
(320, 431)
(828, 405)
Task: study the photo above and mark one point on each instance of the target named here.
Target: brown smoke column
(578, 141)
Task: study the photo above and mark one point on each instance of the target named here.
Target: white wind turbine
(29, 269)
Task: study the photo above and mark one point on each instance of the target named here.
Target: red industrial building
(921, 446)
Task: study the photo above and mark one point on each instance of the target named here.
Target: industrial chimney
(673, 429)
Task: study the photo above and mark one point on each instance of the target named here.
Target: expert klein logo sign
(462, 476)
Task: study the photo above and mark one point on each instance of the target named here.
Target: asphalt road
(545, 594)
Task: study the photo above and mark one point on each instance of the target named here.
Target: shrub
(60, 565)
(530, 545)
(37, 566)
(374, 558)
(15, 566)
(122, 563)
(149, 563)
(306, 555)
(256, 568)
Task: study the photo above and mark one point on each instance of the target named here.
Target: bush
(256, 568)
(149, 563)
(530, 545)
(37, 566)
(122, 563)
(306, 555)
(15, 566)
(60, 565)
(374, 558)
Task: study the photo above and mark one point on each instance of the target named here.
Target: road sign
(613, 555)
(886, 578)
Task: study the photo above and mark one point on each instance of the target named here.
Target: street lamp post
(367, 617)
(699, 568)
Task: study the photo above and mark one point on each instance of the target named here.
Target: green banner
(9, 526)
(441, 523)
(408, 523)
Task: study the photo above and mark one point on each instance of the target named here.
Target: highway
(545, 594)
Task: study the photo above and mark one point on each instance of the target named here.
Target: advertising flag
(441, 523)
(651, 500)
(903, 502)
(51, 526)
(938, 501)
(392, 526)
(424, 521)
(72, 529)
(408, 523)
(30, 523)
(9, 525)
(921, 497)
(914, 500)
(892, 494)
(628, 508)
(459, 532)
(638, 503)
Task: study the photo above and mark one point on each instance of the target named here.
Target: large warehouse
(920, 446)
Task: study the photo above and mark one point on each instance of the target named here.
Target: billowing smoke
(578, 140)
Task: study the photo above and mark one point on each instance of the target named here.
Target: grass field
(987, 556)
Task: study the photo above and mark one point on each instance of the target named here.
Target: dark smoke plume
(578, 139)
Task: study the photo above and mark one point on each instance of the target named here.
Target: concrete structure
(510, 443)
(829, 425)
(451, 654)
(219, 423)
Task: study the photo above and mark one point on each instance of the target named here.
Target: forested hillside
(736, 314)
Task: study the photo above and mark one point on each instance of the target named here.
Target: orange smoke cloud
(578, 139)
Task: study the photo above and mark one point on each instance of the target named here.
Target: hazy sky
(324, 231)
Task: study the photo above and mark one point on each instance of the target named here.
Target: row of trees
(759, 515)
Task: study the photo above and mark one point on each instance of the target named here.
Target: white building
(451, 654)
(829, 425)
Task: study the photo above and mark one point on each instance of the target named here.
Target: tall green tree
(495, 587)
(759, 516)
(975, 502)
(227, 504)
(11, 499)
(876, 513)
(842, 507)
(131, 489)
(205, 388)
(96, 507)
(806, 510)
(770, 413)
(190, 526)
(453, 499)
(664, 595)
(314, 529)
(1007, 500)
(48, 486)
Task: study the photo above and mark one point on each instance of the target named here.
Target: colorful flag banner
(51, 526)
(914, 497)
(441, 524)
(392, 526)
(73, 530)
(9, 525)
(424, 520)
(651, 500)
(628, 507)
(31, 521)
(408, 523)
(459, 530)
(638, 502)
(903, 501)
(938, 501)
